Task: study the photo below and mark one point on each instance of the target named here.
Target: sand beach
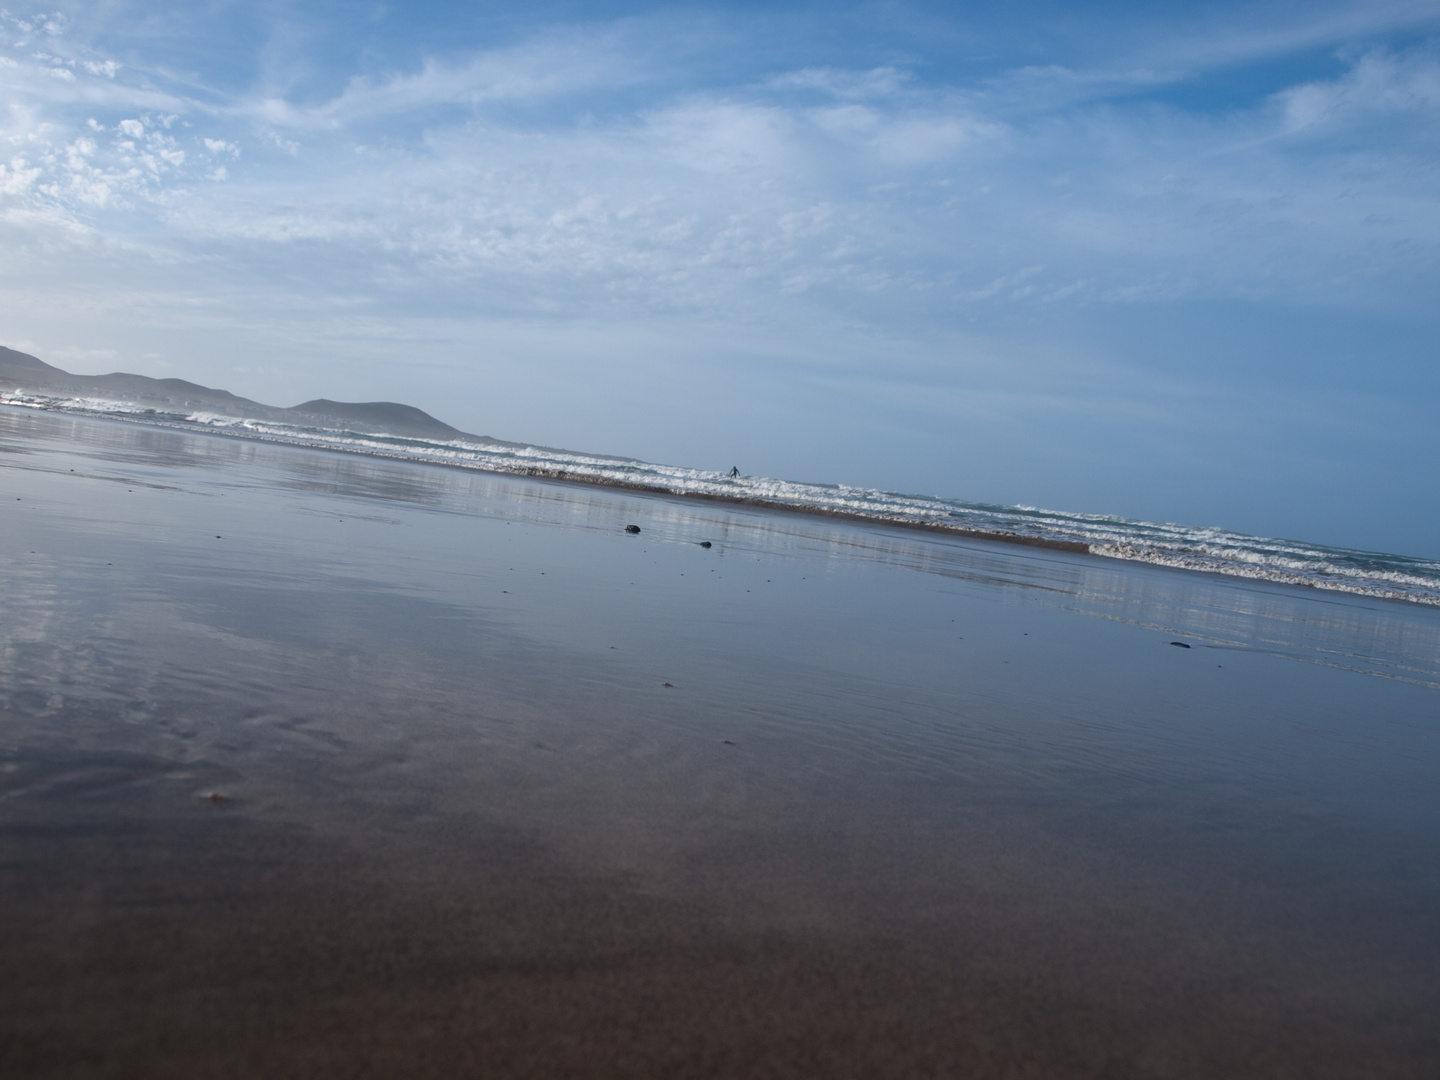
(318, 765)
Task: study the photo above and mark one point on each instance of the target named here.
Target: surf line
(568, 477)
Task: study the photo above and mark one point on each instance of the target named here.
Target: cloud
(1219, 36)
(18, 176)
(578, 167)
(913, 137)
(1378, 83)
(839, 83)
(554, 64)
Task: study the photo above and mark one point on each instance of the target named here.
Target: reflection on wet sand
(908, 805)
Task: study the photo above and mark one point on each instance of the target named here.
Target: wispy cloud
(1227, 35)
(1379, 83)
(555, 64)
(926, 187)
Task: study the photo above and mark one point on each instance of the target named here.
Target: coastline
(792, 508)
(343, 763)
(571, 477)
(1209, 551)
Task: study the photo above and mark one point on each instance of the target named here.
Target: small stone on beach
(632, 528)
(1179, 644)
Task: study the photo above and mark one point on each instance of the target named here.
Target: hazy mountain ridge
(24, 373)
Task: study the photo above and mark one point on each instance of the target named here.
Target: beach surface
(319, 765)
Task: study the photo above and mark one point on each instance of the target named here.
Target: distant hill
(375, 416)
(23, 372)
(24, 361)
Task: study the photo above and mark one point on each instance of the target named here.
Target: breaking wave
(1363, 573)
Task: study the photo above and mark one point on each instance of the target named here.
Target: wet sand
(324, 766)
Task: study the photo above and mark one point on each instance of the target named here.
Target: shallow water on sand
(347, 766)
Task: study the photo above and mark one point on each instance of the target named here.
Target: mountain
(376, 416)
(24, 373)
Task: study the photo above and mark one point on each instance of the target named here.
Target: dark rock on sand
(1179, 644)
(632, 528)
(705, 543)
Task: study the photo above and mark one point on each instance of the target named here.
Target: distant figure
(734, 470)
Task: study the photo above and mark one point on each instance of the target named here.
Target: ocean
(1188, 547)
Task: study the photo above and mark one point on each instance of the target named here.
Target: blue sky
(1170, 261)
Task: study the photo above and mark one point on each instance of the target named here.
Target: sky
(1170, 261)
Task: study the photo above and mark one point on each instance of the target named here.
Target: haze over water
(436, 769)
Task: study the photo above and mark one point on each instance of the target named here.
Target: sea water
(1207, 549)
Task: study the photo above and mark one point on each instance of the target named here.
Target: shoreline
(1358, 589)
(793, 508)
(568, 477)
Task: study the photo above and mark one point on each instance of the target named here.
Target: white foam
(1163, 544)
